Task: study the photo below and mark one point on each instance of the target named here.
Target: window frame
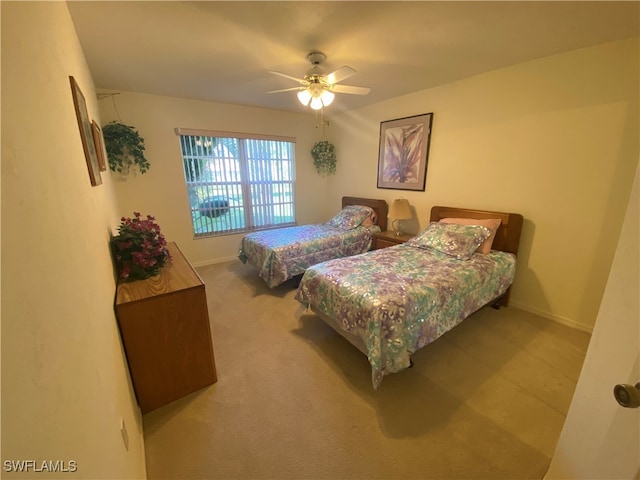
(246, 183)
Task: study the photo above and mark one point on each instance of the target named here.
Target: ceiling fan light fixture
(316, 97)
(316, 103)
(304, 97)
(327, 97)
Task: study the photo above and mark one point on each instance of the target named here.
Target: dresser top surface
(176, 275)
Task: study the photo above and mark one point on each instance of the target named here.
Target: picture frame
(99, 143)
(86, 133)
(404, 152)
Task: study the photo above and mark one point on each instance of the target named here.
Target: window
(237, 182)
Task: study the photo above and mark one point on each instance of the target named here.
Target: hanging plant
(324, 157)
(125, 148)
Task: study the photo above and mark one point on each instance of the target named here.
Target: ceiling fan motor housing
(315, 72)
(316, 58)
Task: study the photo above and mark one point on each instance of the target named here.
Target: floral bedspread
(401, 298)
(283, 253)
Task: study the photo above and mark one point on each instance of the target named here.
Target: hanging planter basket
(124, 147)
(324, 157)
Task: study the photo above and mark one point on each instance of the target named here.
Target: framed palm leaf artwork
(404, 152)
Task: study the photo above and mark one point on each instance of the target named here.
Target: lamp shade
(327, 97)
(304, 97)
(316, 103)
(400, 209)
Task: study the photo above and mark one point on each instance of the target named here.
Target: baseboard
(556, 318)
(214, 261)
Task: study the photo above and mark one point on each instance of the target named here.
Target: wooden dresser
(164, 323)
(389, 239)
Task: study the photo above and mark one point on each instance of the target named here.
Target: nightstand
(389, 239)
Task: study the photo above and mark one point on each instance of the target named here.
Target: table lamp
(399, 211)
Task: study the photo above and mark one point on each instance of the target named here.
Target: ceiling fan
(318, 90)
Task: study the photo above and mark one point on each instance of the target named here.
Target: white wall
(555, 139)
(65, 383)
(162, 192)
(600, 439)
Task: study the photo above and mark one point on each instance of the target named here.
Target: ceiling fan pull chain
(322, 123)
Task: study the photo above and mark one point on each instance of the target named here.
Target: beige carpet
(294, 400)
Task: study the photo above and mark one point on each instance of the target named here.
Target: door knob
(627, 395)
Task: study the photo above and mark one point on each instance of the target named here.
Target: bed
(393, 301)
(284, 253)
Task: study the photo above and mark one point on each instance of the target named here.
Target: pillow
(491, 223)
(351, 216)
(371, 220)
(459, 241)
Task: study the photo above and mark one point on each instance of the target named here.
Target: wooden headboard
(508, 235)
(379, 206)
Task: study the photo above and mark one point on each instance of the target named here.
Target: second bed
(284, 253)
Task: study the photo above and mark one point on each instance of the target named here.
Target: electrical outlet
(125, 435)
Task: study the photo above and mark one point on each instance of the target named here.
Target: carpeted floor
(294, 400)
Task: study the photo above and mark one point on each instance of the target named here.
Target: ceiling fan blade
(339, 74)
(286, 90)
(351, 89)
(301, 81)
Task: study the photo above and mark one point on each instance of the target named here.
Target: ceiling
(223, 51)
